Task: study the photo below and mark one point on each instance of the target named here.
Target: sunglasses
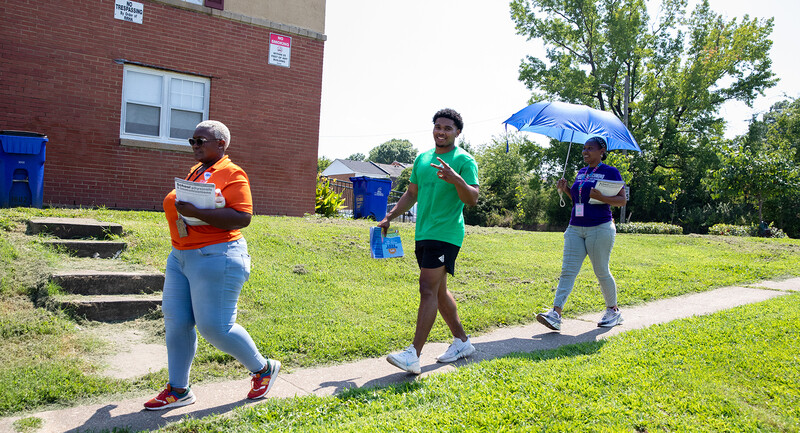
(198, 141)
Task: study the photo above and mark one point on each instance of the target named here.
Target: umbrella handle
(560, 195)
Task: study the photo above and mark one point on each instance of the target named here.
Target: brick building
(117, 86)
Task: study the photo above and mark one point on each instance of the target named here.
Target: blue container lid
(22, 142)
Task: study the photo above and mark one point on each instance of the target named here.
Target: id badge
(182, 232)
(578, 209)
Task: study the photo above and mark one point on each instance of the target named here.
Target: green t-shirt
(440, 213)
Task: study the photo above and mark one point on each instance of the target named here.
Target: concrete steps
(87, 282)
(109, 308)
(100, 295)
(88, 248)
(73, 228)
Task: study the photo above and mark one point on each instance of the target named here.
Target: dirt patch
(130, 349)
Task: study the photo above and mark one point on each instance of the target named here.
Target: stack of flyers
(384, 247)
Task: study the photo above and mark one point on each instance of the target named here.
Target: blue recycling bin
(371, 196)
(21, 168)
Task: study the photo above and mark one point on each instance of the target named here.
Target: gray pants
(596, 242)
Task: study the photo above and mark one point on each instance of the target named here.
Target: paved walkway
(215, 398)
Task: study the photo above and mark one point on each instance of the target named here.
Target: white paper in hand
(201, 195)
(608, 188)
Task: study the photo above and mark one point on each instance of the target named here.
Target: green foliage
(755, 170)
(751, 230)
(328, 201)
(49, 381)
(733, 371)
(28, 425)
(357, 157)
(730, 230)
(650, 228)
(323, 163)
(511, 193)
(680, 68)
(761, 169)
(393, 150)
(403, 180)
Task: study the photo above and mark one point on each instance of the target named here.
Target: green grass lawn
(315, 296)
(733, 371)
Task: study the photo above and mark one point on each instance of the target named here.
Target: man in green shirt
(443, 180)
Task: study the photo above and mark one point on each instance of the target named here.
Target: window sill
(156, 145)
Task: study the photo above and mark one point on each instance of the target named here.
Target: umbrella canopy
(574, 124)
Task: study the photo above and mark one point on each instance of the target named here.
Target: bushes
(650, 228)
(751, 230)
(328, 201)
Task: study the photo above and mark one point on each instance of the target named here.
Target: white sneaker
(551, 319)
(610, 319)
(406, 360)
(459, 349)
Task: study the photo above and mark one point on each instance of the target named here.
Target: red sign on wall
(280, 50)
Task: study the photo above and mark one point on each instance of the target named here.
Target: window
(215, 4)
(162, 106)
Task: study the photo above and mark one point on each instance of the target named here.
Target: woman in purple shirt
(591, 231)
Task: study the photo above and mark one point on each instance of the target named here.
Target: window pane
(183, 122)
(144, 88)
(197, 2)
(142, 119)
(187, 95)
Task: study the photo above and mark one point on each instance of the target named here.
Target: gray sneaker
(406, 360)
(551, 319)
(610, 319)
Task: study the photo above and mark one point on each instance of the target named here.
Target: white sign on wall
(129, 11)
(280, 50)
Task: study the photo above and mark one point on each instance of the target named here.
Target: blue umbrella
(574, 124)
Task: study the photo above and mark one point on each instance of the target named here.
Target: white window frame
(165, 107)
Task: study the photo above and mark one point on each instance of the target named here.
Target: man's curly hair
(449, 113)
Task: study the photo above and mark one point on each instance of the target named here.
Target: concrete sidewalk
(216, 398)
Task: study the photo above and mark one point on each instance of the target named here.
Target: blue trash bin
(21, 168)
(371, 195)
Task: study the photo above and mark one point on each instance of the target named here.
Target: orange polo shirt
(235, 187)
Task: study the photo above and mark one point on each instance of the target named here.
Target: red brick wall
(58, 77)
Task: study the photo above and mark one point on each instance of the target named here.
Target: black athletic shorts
(435, 254)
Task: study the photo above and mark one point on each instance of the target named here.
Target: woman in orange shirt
(206, 270)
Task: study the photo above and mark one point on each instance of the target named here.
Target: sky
(389, 66)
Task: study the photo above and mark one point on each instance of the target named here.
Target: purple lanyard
(585, 178)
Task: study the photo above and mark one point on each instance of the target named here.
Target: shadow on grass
(542, 346)
(400, 380)
(547, 345)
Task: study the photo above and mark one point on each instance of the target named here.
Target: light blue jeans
(597, 242)
(201, 288)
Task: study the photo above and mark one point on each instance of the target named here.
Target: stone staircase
(100, 295)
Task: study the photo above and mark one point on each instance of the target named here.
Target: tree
(668, 77)
(357, 157)
(503, 185)
(323, 163)
(761, 169)
(403, 180)
(393, 150)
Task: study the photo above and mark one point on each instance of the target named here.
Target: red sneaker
(169, 398)
(263, 382)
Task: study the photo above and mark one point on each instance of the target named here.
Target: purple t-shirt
(593, 214)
